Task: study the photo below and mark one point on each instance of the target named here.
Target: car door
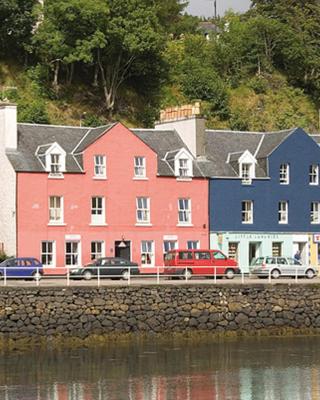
(185, 259)
(202, 263)
(284, 266)
(105, 269)
(12, 269)
(296, 268)
(219, 261)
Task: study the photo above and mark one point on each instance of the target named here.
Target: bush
(92, 120)
(3, 256)
(258, 84)
(33, 112)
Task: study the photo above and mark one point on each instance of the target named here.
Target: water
(265, 368)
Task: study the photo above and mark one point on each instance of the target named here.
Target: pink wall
(120, 191)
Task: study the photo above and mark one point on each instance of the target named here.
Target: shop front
(314, 240)
(246, 246)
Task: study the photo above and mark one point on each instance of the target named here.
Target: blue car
(21, 268)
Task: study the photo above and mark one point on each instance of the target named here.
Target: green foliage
(3, 256)
(93, 120)
(17, 18)
(199, 82)
(128, 58)
(32, 112)
(258, 84)
(239, 122)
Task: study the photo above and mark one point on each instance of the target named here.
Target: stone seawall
(81, 312)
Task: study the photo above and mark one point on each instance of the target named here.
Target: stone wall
(81, 312)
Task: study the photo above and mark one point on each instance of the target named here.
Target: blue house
(264, 193)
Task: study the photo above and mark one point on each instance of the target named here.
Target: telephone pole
(215, 9)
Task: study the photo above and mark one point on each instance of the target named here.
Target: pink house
(80, 193)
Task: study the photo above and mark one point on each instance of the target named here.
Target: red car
(199, 262)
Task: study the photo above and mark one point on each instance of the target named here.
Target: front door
(253, 251)
(122, 249)
(301, 247)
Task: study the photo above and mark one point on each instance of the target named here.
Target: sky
(205, 7)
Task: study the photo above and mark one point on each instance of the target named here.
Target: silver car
(281, 266)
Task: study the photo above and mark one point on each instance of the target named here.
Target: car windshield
(257, 261)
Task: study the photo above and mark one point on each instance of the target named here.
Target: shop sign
(170, 237)
(262, 236)
(72, 237)
(316, 238)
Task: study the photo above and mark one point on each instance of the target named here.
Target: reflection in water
(265, 368)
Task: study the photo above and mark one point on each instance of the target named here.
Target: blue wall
(226, 195)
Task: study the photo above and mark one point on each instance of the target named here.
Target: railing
(130, 275)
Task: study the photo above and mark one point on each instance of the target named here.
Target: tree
(71, 30)
(113, 36)
(300, 56)
(17, 21)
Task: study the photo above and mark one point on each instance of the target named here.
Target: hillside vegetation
(88, 62)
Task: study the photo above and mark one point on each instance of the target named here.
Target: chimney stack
(8, 126)
(189, 123)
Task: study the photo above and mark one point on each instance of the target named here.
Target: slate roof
(163, 142)
(30, 137)
(223, 148)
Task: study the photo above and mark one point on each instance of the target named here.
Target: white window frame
(247, 212)
(97, 253)
(315, 212)
(140, 170)
(246, 171)
(54, 167)
(143, 210)
(56, 213)
(98, 213)
(184, 211)
(184, 169)
(55, 164)
(46, 254)
(183, 165)
(284, 174)
(147, 253)
(314, 174)
(283, 210)
(72, 253)
(193, 244)
(100, 166)
(169, 245)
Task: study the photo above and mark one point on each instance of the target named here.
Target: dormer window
(55, 165)
(183, 164)
(246, 171)
(53, 159)
(183, 167)
(247, 166)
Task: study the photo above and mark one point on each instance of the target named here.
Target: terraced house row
(71, 194)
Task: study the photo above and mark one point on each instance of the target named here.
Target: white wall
(191, 131)
(8, 139)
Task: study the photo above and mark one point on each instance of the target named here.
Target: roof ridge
(57, 126)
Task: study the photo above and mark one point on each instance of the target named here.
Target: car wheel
(125, 275)
(310, 274)
(187, 274)
(230, 273)
(87, 275)
(275, 274)
(37, 275)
